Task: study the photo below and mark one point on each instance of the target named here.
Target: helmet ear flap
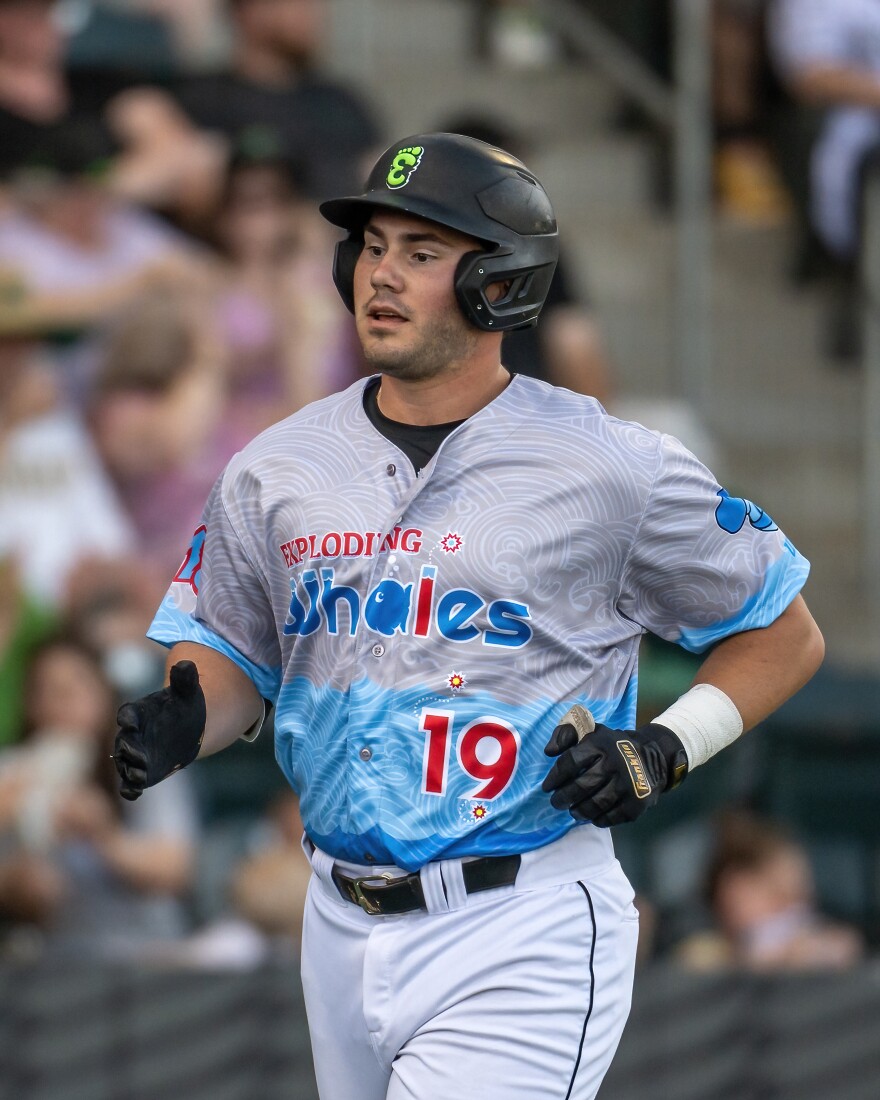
(344, 259)
(521, 303)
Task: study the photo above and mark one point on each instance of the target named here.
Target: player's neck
(452, 395)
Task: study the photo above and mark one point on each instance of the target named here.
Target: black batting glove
(160, 733)
(611, 776)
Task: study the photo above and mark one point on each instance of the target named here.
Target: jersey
(421, 634)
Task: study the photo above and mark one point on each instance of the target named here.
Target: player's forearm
(759, 669)
(233, 703)
(831, 85)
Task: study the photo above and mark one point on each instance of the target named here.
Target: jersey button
(378, 650)
(391, 469)
(365, 753)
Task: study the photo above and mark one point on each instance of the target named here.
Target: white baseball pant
(515, 993)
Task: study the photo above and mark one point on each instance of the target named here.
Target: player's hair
(477, 189)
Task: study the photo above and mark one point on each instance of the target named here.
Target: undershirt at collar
(419, 442)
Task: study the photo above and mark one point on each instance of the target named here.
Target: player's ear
(496, 291)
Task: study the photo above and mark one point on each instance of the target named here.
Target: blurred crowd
(796, 120)
(165, 294)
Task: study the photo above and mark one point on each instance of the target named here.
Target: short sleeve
(808, 32)
(705, 564)
(219, 598)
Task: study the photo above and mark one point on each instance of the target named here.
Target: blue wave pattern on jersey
(782, 582)
(354, 807)
(172, 625)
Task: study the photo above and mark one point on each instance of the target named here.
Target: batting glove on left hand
(611, 776)
(160, 733)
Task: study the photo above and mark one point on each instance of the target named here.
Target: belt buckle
(368, 906)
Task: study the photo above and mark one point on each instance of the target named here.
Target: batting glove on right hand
(160, 733)
(611, 776)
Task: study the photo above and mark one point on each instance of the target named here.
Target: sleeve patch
(732, 513)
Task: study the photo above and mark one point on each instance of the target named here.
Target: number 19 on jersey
(487, 750)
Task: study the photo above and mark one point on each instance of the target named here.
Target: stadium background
(689, 264)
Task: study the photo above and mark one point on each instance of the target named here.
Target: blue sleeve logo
(732, 512)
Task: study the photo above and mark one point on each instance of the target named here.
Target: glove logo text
(636, 769)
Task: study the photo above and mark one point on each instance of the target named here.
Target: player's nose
(386, 272)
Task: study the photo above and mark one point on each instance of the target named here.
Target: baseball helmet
(464, 184)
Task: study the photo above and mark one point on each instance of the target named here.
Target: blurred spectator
(747, 179)
(164, 162)
(112, 617)
(279, 317)
(61, 68)
(273, 83)
(78, 253)
(67, 230)
(268, 887)
(38, 93)
(255, 906)
(760, 890)
(34, 93)
(98, 876)
(828, 54)
(156, 412)
(565, 348)
(193, 29)
(24, 623)
(57, 507)
(129, 38)
(187, 375)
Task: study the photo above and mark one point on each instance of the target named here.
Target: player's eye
(422, 257)
(373, 250)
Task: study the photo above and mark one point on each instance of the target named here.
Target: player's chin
(395, 357)
(405, 368)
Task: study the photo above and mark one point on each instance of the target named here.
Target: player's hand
(611, 776)
(160, 733)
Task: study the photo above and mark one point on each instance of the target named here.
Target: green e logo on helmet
(405, 162)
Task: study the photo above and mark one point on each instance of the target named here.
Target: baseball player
(439, 578)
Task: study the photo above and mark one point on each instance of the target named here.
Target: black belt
(382, 895)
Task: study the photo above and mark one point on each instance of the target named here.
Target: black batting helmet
(477, 189)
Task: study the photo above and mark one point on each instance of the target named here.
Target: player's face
(408, 319)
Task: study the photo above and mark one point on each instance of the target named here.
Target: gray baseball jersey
(422, 634)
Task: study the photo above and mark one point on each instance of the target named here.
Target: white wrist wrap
(705, 721)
